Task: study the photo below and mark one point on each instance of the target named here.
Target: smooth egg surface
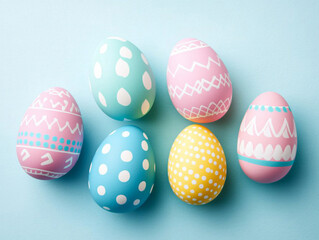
(197, 165)
(121, 80)
(122, 173)
(51, 135)
(267, 140)
(198, 82)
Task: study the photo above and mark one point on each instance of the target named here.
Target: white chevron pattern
(40, 172)
(27, 120)
(207, 66)
(206, 111)
(268, 129)
(59, 93)
(268, 153)
(199, 86)
(188, 46)
(63, 107)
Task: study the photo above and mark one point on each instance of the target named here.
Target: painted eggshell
(122, 173)
(51, 135)
(198, 82)
(121, 80)
(197, 166)
(267, 140)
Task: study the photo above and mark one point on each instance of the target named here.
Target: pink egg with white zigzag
(51, 135)
(198, 82)
(267, 140)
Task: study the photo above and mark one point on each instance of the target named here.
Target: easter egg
(198, 82)
(51, 135)
(121, 80)
(122, 172)
(197, 165)
(267, 140)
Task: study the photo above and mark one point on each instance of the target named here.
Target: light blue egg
(122, 172)
(121, 80)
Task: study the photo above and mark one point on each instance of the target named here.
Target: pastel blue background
(266, 45)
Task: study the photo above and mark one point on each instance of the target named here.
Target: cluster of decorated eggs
(122, 172)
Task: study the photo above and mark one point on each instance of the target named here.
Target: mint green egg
(121, 80)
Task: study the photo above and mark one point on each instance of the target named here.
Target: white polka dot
(186, 186)
(125, 134)
(203, 178)
(121, 199)
(194, 182)
(145, 136)
(125, 52)
(123, 97)
(102, 99)
(97, 70)
(147, 82)
(122, 68)
(126, 156)
(146, 164)
(144, 59)
(190, 171)
(210, 181)
(106, 148)
(145, 106)
(101, 190)
(201, 186)
(103, 169)
(136, 202)
(103, 48)
(107, 208)
(216, 172)
(196, 175)
(142, 186)
(192, 191)
(144, 145)
(124, 176)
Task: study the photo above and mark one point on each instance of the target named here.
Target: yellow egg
(197, 165)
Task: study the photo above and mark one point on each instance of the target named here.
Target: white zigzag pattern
(39, 104)
(200, 86)
(206, 111)
(268, 153)
(60, 93)
(44, 119)
(40, 172)
(188, 46)
(194, 64)
(268, 129)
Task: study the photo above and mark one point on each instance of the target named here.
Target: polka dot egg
(122, 173)
(197, 166)
(121, 80)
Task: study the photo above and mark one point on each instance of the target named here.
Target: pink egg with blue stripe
(267, 140)
(50, 137)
